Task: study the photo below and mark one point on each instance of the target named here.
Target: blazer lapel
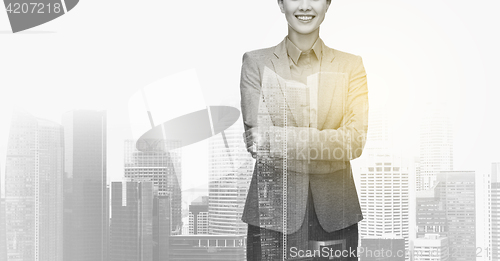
(325, 87)
(282, 69)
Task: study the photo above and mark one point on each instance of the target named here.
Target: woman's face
(304, 16)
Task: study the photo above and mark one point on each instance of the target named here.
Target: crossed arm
(304, 143)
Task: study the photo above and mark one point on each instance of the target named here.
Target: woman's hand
(252, 140)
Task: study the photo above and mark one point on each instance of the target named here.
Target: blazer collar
(280, 61)
(280, 54)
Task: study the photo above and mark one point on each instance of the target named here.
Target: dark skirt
(310, 242)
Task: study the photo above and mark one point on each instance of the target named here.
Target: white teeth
(304, 17)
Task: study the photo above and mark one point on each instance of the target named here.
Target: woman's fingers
(251, 138)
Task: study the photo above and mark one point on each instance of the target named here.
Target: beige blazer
(294, 157)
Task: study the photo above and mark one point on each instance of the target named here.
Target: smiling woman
(302, 88)
(304, 17)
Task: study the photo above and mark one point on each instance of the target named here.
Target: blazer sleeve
(250, 91)
(342, 144)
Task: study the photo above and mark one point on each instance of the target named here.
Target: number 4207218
(33, 8)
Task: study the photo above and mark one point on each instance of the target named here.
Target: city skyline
(398, 83)
(413, 51)
(379, 153)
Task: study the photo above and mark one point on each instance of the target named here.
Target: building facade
(492, 222)
(436, 145)
(140, 223)
(3, 242)
(384, 197)
(86, 218)
(383, 183)
(162, 225)
(449, 210)
(33, 189)
(431, 213)
(131, 227)
(431, 247)
(153, 163)
(198, 217)
(230, 171)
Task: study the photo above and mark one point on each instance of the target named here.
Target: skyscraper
(383, 183)
(384, 199)
(34, 173)
(449, 209)
(140, 222)
(162, 168)
(457, 188)
(131, 227)
(85, 198)
(431, 213)
(198, 216)
(493, 214)
(436, 145)
(229, 173)
(162, 225)
(3, 243)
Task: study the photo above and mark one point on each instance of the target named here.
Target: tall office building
(131, 227)
(107, 218)
(436, 145)
(230, 171)
(162, 225)
(33, 189)
(384, 189)
(3, 243)
(162, 168)
(431, 213)
(383, 183)
(85, 198)
(140, 222)
(198, 216)
(492, 222)
(448, 209)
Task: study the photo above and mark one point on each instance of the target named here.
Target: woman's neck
(303, 41)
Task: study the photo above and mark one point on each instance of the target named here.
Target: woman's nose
(305, 5)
